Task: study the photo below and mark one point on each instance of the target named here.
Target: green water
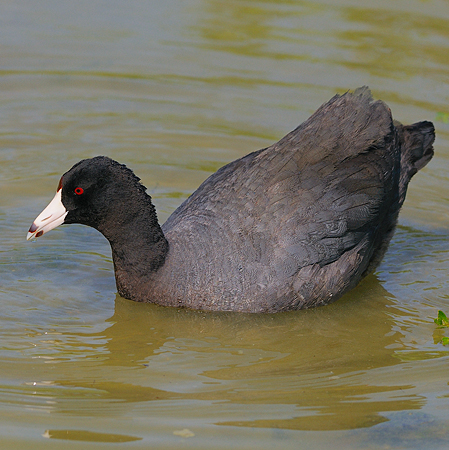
(175, 89)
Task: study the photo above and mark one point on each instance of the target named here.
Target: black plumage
(291, 226)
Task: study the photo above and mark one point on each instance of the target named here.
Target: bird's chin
(51, 217)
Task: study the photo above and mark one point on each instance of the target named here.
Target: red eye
(79, 191)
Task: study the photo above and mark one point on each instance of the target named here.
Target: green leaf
(442, 320)
(445, 340)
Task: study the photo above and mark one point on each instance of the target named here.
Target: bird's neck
(139, 247)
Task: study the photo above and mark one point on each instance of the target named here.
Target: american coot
(291, 226)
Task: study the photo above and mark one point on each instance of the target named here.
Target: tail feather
(416, 150)
(417, 140)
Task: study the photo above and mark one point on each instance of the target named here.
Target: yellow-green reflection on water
(175, 90)
(89, 436)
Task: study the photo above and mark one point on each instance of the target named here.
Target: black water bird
(291, 226)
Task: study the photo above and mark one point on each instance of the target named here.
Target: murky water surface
(175, 89)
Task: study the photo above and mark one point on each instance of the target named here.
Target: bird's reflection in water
(280, 370)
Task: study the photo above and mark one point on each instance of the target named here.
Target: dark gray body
(294, 225)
